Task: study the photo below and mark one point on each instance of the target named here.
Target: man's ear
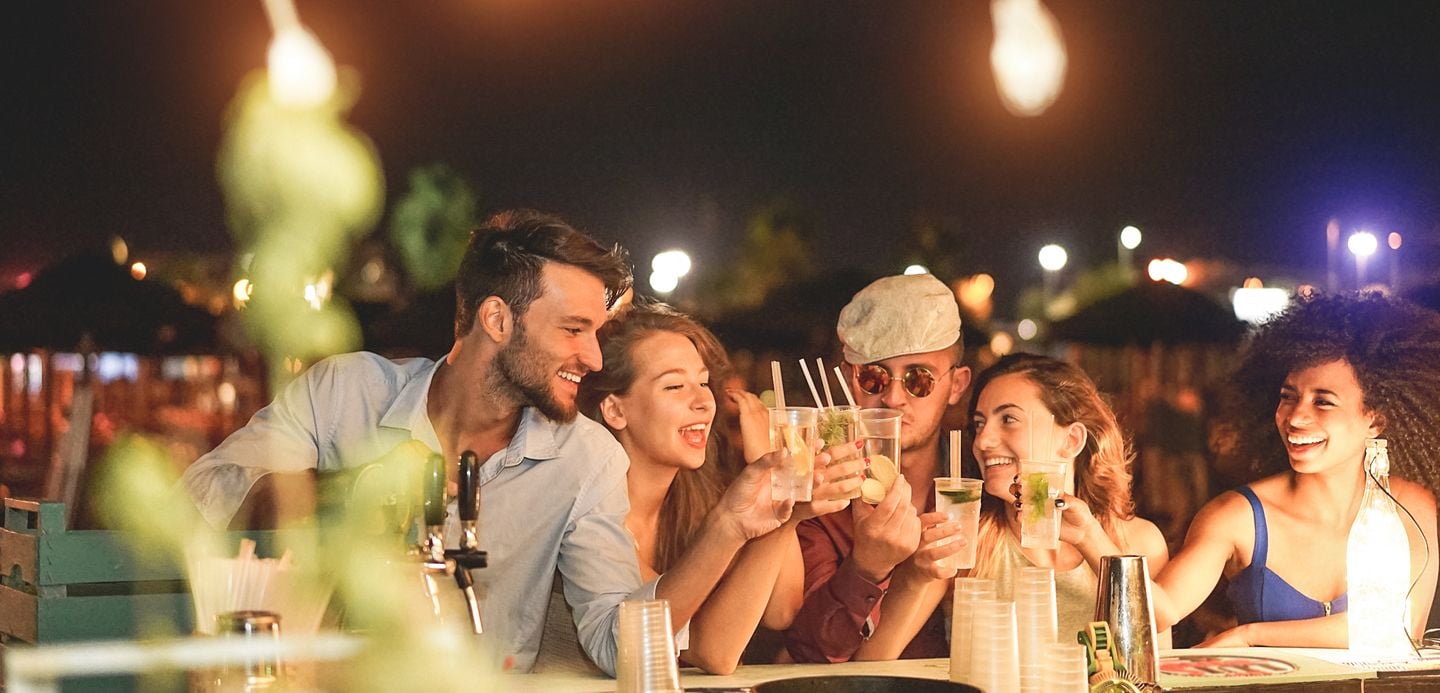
(1075, 438)
(613, 413)
(958, 384)
(495, 318)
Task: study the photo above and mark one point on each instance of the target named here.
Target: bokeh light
(1053, 258)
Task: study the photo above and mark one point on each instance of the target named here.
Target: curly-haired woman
(1314, 384)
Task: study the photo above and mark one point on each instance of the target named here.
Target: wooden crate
(61, 585)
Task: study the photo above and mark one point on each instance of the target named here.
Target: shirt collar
(537, 437)
(408, 411)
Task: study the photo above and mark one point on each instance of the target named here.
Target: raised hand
(754, 424)
(1077, 523)
(935, 527)
(746, 507)
(886, 534)
(838, 474)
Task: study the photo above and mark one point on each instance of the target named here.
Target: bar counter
(1312, 675)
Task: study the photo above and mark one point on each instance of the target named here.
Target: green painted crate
(61, 585)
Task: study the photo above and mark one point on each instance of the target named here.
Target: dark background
(1231, 129)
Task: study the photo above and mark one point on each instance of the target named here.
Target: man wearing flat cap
(901, 337)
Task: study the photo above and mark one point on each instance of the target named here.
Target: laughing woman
(1026, 400)
(654, 395)
(1315, 384)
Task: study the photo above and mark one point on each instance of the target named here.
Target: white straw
(1030, 433)
(779, 384)
(844, 387)
(824, 381)
(955, 454)
(1050, 454)
(808, 381)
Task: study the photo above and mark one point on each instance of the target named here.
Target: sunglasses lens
(872, 379)
(919, 381)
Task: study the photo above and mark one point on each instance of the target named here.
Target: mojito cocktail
(959, 499)
(1041, 482)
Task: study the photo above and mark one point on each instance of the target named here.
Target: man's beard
(524, 371)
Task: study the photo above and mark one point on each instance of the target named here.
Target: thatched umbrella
(1148, 313)
(90, 296)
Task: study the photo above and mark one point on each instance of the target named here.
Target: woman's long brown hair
(693, 492)
(1102, 469)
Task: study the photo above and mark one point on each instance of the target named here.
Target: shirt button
(869, 600)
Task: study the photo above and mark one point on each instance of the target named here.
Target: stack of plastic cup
(968, 590)
(646, 662)
(994, 660)
(1066, 670)
(1036, 624)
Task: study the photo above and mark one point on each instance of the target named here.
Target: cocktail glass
(880, 430)
(1041, 482)
(959, 499)
(795, 429)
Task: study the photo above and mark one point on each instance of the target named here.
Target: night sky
(1220, 128)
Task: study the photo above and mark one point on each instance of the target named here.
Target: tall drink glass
(880, 430)
(959, 499)
(840, 425)
(794, 429)
(1041, 482)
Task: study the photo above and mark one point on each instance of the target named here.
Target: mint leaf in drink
(1038, 496)
(833, 428)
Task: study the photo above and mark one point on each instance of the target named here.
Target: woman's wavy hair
(694, 492)
(1102, 469)
(1392, 345)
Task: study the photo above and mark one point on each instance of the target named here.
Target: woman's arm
(726, 621)
(916, 590)
(1326, 631)
(1191, 575)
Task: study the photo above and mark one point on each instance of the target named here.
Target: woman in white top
(1026, 400)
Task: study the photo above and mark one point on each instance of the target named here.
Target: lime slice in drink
(960, 495)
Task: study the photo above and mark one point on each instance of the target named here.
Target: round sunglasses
(918, 381)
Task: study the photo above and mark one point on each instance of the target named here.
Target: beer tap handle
(432, 486)
(469, 487)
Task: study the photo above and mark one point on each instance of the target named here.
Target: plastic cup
(1066, 669)
(839, 424)
(646, 661)
(968, 591)
(1041, 482)
(959, 499)
(794, 429)
(880, 430)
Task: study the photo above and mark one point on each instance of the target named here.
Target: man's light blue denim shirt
(554, 498)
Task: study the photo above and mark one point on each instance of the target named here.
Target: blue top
(1258, 594)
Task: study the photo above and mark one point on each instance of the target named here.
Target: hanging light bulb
(301, 71)
(1028, 56)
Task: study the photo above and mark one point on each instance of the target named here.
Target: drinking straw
(844, 387)
(955, 454)
(1050, 440)
(808, 381)
(824, 381)
(779, 384)
(1030, 433)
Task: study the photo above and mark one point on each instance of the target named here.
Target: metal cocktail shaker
(1124, 603)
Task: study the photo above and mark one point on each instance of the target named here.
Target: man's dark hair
(506, 254)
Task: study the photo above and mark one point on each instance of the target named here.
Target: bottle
(1378, 566)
